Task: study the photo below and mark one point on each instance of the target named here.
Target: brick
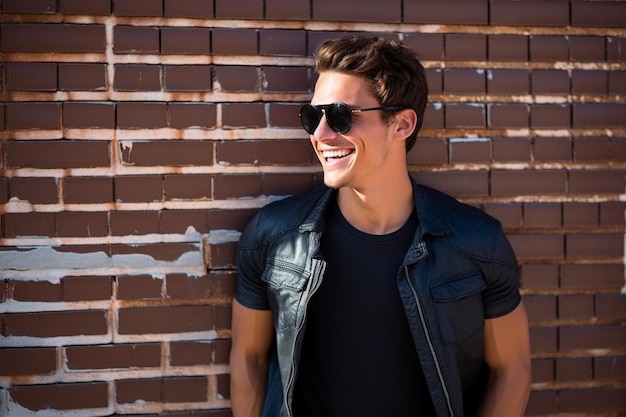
(592, 337)
(129, 391)
(530, 13)
(434, 116)
(189, 8)
(464, 81)
(4, 190)
(574, 369)
(33, 115)
(511, 149)
(222, 316)
(553, 149)
(609, 368)
(601, 14)
(56, 323)
(465, 115)
(168, 153)
(243, 115)
(616, 48)
(508, 48)
(36, 190)
(223, 385)
(41, 291)
(171, 319)
(191, 353)
(58, 154)
(550, 82)
(188, 77)
(36, 37)
(285, 79)
(509, 214)
(316, 38)
(28, 361)
(288, 9)
(31, 76)
(549, 48)
(185, 389)
(167, 252)
(606, 245)
(234, 41)
(508, 115)
(238, 78)
(188, 187)
(542, 402)
(581, 215)
(282, 42)
(542, 370)
(138, 7)
(287, 184)
(32, 6)
(610, 306)
(192, 115)
(169, 390)
(222, 256)
(542, 215)
(137, 115)
(185, 40)
(508, 81)
(540, 307)
(587, 48)
(466, 47)
(576, 306)
(29, 224)
(592, 276)
(598, 115)
(434, 80)
(592, 149)
(82, 190)
(446, 11)
(82, 77)
(86, 288)
(358, 10)
(539, 276)
(72, 396)
(135, 39)
(528, 182)
(179, 221)
(618, 149)
(428, 46)
(469, 151)
(92, 7)
(81, 115)
(237, 186)
(589, 82)
(596, 181)
(216, 284)
(270, 152)
(543, 339)
(139, 287)
(82, 224)
(612, 213)
(139, 188)
(240, 9)
(121, 356)
(133, 223)
(550, 116)
(617, 82)
(137, 77)
(457, 183)
(538, 246)
(231, 219)
(592, 400)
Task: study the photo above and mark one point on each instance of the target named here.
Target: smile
(338, 154)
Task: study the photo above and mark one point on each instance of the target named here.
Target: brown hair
(393, 71)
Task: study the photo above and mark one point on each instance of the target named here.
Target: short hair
(393, 71)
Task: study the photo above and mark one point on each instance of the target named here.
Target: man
(375, 296)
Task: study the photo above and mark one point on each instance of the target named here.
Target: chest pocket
(459, 307)
(286, 284)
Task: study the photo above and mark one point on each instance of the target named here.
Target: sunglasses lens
(339, 117)
(310, 118)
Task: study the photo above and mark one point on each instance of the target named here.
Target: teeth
(336, 154)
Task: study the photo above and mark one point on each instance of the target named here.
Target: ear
(405, 123)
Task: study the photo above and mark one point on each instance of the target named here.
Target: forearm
(507, 393)
(247, 387)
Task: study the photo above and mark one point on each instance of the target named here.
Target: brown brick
(188, 187)
(237, 186)
(223, 385)
(530, 13)
(606, 245)
(133, 223)
(222, 316)
(542, 402)
(73, 396)
(428, 151)
(237, 79)
(618, 149)
(241, 9)
(592, 337)
(601, 14)
(134, 390)
(28, 361)
(31, 76)
(540, 307)
(428, 46)
(469, 151)
(540, 276)
(610, 306)
(508, 48)
(315, 38)
(609, 368)
(464, 81)
(549, 48)
(222, 256)
(542, 370)
(185, 40)
(465, 115)
(508, 81)
(139, 188)
(434, 116)
(358, 11)
(93, 7)
(58, 154)
(191, 353)
(576, 306)
(587, 48)
(82, 224)
(581, 214)
(137, 77)
(216, 284)
(178, 221)
(36, 190)
(543, 339)
(192, 115)
(80, 190)
(168, 252)
(508, 115)
(542, 215)
(598, 115)
(592, 276)
(171, 319)
(466, 47)
(138, 7)
(592, 400)
(282, 42)
(4, 190)
(285, 79)
(36, 37)
(616, 48)
(550, 116)
(592, 149)
(617, 82)
(457, 183)
(553, 149)
(595, 182)
(528, 182)
(509, 214)
(56, 323)
(137, 115)
(168, 153)
(612, 213)
(32, 6)
(139, 287)
(78, 115)
(41, 291)
(189, 8)
(550, 82)
(288, 9)
(446, 11)
(188, 78)
(270, 152)
(589, 82)
(434, 79)
(86, 288)
(511, 149)
(231, 219)
(33, 115)
(574, 369)
(144, 355)
(86, 77)
(287, 184)
(538, 246)
(185, 389)
(135, 39)
(234, 41)
(29, 224)
(243, 115)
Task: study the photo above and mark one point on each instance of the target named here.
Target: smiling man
(374, 295)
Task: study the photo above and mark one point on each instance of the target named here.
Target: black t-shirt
(358, 357)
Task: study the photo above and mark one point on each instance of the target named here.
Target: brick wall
(139, 136)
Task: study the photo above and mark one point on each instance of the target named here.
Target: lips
(337, 154)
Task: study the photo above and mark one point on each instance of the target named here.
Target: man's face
(356, 158)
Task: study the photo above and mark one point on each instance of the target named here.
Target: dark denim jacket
(459, 270)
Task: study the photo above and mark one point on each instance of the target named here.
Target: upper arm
(507, 342)
(252, 331)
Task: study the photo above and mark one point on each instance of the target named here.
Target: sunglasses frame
(322, 110)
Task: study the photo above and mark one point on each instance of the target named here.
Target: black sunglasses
(338, 116)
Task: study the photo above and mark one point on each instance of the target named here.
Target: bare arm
(252, 333)
(507, 352)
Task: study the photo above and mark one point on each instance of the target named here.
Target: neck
(378, 210)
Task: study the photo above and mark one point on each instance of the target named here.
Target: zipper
(430, 342)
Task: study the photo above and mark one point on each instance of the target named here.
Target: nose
(323, 132)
